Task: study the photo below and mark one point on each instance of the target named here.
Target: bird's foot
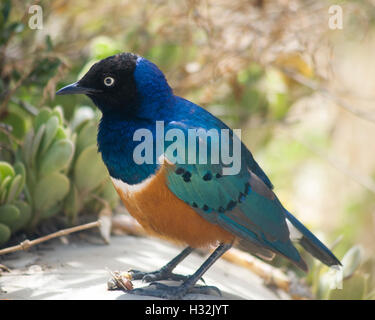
(158, 275)
(122, 280)
(164, 291)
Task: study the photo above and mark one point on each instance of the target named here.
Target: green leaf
(36, 143)
(57, 157)
(42, 117)
(19, 168)
(9, 214)
(109, 194)
(4, 188)
(351, 261)
(15, 188)
(49, 191)
(31, 180)
(73, 204)
(81, 116)
(6, 170)
(59, 113)
(4, 234)
(86, 137)
(60, 134)
(52, 126)
(27, 147)
(24, 217)
(89, 171)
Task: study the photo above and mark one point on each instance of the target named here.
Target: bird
(188, 202)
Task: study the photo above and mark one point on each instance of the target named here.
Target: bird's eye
(109, 81)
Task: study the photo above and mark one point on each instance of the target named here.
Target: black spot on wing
(186, 176)
(231, 205)
(241, 197)
(207, 176)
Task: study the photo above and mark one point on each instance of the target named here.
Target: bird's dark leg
(188, 286)
(165, 273)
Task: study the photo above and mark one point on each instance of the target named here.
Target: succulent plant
(91, 187)
(14, 213)
(47, 152)
(348, 282)
(59, 169)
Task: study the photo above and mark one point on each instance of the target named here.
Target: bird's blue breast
(116, 145)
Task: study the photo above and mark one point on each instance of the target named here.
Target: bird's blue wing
(207, 120)
(242, 204)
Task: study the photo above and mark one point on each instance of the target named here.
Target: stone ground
(78, 270)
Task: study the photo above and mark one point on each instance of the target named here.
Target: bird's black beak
(76, 88)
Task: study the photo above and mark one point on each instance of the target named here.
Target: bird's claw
(156, 275)
(207, 290)
(159, 290)
(164, 291)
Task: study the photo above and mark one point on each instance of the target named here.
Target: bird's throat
(116, 144)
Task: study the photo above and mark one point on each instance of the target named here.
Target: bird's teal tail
(312, 244)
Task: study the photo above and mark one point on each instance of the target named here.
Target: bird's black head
(124, 85)
(109, 83)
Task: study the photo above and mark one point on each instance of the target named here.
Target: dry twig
(24, 245)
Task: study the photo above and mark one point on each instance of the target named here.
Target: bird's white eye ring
(109, 81)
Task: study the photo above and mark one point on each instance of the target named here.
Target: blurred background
(298, 77)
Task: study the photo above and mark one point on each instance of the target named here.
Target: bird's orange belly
(161, 213)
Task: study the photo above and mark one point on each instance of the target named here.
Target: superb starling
(196, 203)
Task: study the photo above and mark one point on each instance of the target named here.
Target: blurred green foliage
(14, 212)
(47, 152)
(49, 163)
(56, 167)
(91, 187)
